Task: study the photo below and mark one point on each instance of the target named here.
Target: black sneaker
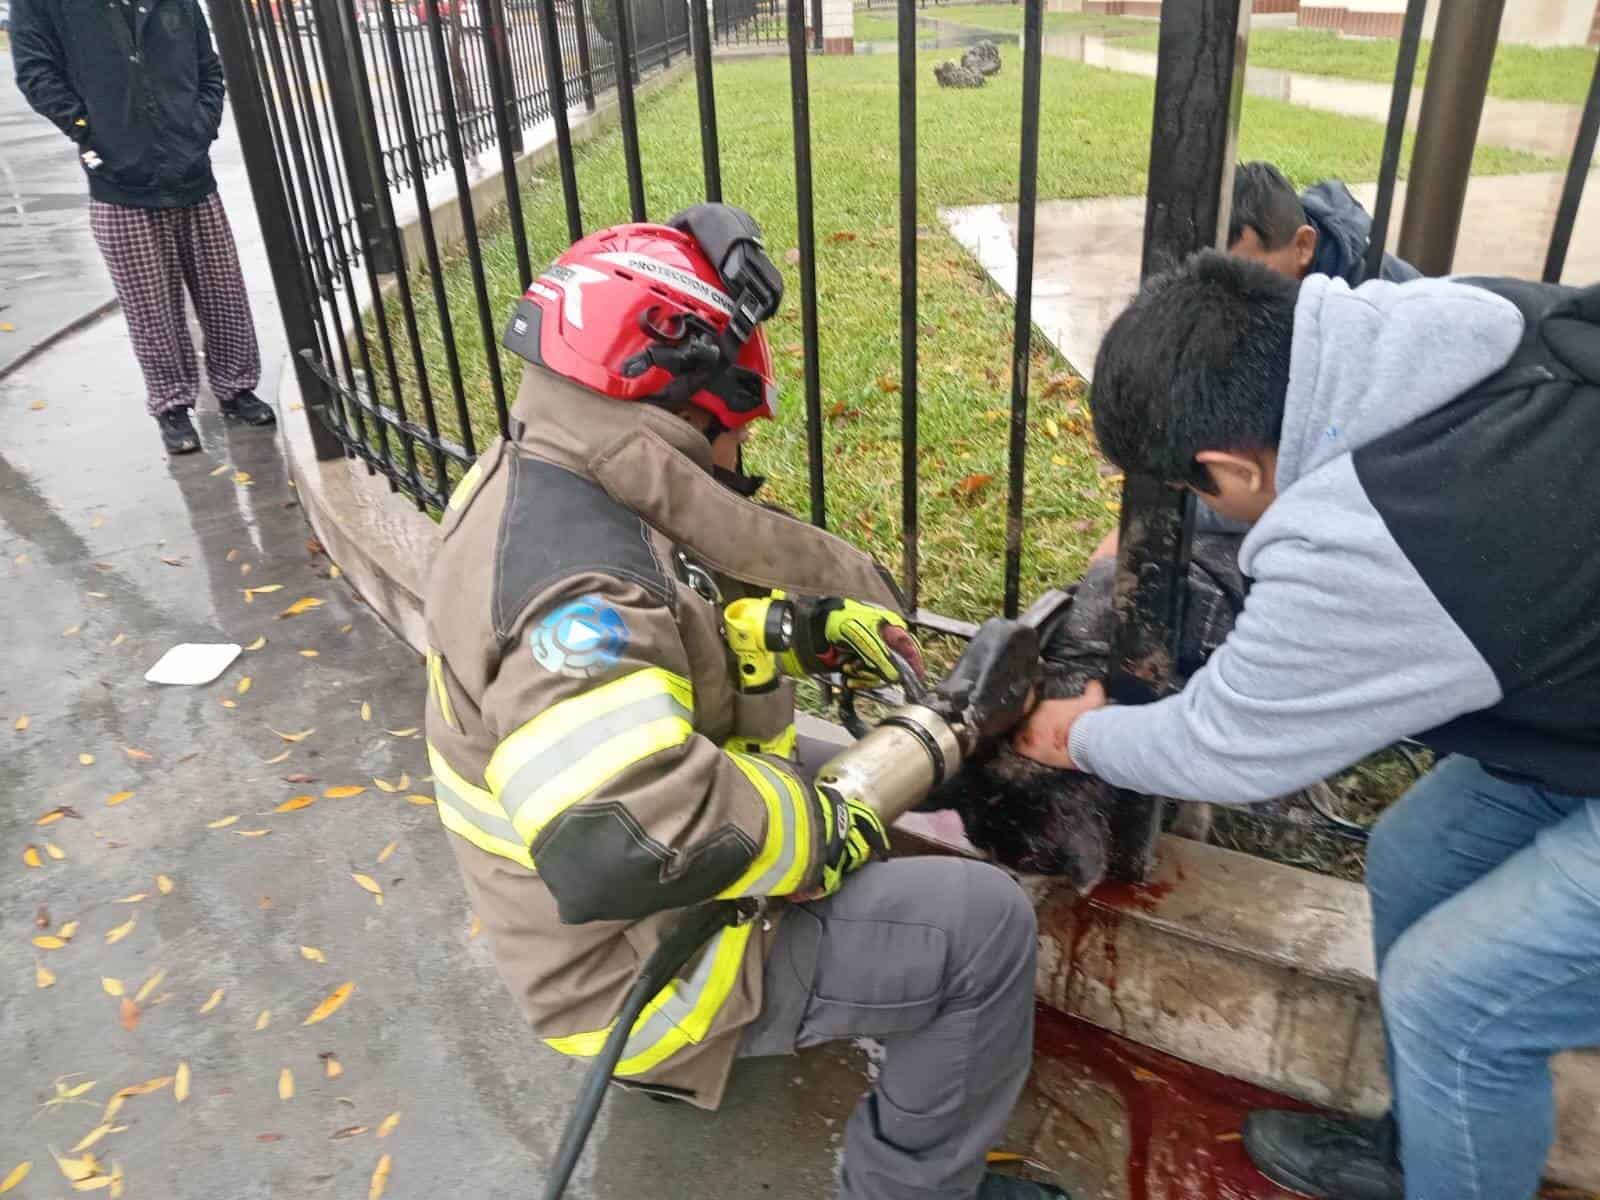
(1326, 1157)
(1008, 1187)
(247, 408)
(177, 431)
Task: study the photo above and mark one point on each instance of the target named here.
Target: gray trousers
(935, 957)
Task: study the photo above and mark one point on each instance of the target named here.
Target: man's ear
(1305, 249)
(1246, 473)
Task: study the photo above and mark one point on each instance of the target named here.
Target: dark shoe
(1326, 1157)
(177, 432)
(1008, 1187)
(245, 407)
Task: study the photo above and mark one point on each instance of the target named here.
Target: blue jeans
(1486, 920)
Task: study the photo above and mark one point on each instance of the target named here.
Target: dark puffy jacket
(147, 98)
(1343, 229)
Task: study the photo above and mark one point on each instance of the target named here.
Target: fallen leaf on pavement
(219, 471)
(411, 732)
(86, 760)
(331, 1065)
(266, 589)
(253, 832)
(292, 737)
(285, 1084)
(312, 953)
(269, 1137)
(119, 639)
(171, 562)
(349, 1131)
(343, 792)
(21, 724)
(164, 885)
(383, 785)
(230, 704)
(149, 986)
(222, 822)
(48, 941)
(216, 999)
(128, 1014)
(257, 644)
(72, 631)
(16, 1175)
(43, 976)
(133, 899)
(380, 1179)
(388, 1124)
(76, 1169)
(278, 758)
(370, 884)
(54, 851)
(299, 777)
(121, 931)
(295, 804)
(304, 604)
(263, 1019)
(90, 1138)
(242, 686)
(76, 1090)
(415, 799)
(242, 477)
(366, 711)
(475, 928)
(113, 987)
(31, 856)
(113, 801)
(41, 918)
(330, 1004)
(309, 654)
(384, 854)
(180, 1083)
(67, 930)
(137, 754)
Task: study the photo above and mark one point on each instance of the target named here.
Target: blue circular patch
(582, 639)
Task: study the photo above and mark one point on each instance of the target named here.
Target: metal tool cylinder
(894, 767)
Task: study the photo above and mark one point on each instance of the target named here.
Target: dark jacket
(1343, 228)
(146, 99)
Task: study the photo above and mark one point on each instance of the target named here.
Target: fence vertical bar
(580, 16)
(493, 17)
(910, 529)
(705, 88)
(816, 25)
(1572, 191)
(1022, 334)
(629, 114)
(1193, 143)
(1405, 70)
(555, 81)
(296, 300)
(666, 35)
(800, 97)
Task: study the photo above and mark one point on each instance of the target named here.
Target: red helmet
(661, 313)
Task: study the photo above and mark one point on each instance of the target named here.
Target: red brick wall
(844, 45)
(1275, 6)
(1372, 24)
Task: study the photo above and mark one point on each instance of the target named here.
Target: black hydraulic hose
(677, 946)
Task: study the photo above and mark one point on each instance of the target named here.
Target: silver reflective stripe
(556, 758)
(490, 824)
(677, 1006)
(768, 881)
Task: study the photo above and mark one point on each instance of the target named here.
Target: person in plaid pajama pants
(137, 86)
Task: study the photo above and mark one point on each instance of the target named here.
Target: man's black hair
(1265, 201)
(1198, 361)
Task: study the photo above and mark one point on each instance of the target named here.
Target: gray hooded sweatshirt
(1386, 573)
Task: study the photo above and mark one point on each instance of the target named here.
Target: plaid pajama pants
(153, 255)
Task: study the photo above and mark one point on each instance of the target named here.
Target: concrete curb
(56, 336)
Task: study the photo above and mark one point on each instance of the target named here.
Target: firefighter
(614, 630)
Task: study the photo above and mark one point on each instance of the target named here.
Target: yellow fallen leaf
(293, 737)
(128, 1014)
(278, 758)
(402, 732)
(145, 1088)
(346, 628)
(266, 589)
(222, 822)
(118, 798)
(121, 931)
(116, 1180)
(119, 639)
(180, 1083)
(136, 754)
(133, 899)
(257, 644)
(343, 792)
(22, 723)
(332, 1066)
(230, 703)
(263, 1020)
(383, 785)
(285, 1084)
(86, 760)
(330, 1004)
(388, 1124)
(216, 999)
(254, 832)
(312, 953)
(304, 604)
(366, 711)
(67, 930)
(149, 986)
(31, 857)
(414, 799)
(242, 477)
(295, 804)
(43, 976)
(94, 1183)
(113, 1106)
(76, 1169)
(242, 686)
(17, 1174)
(48, 941)
(334, 572)
(380, 1179)
(308, 654)
(113, 987)
(90, 1138)
(214, 473)
(71, 630)
(384, 854)
(51, 817)
(54, 851)
(164, 885)
(475, 928)
(369, 884)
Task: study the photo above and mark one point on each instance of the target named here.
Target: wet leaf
(346, 628)
(48, 941)
(343, 792)
(971, 485)
(116, 1180)
(145, 1088)
(475, 928)
(97, 595)
(309, 654)
(222, 822)
(370, 884)
(366, 711)
(67, 930)
(299, 777)
(414, 799)
(285, 1084)
(72, 631)
(136, 754)
(31, 856)
(388, 1124)
(264, 1019)
(313, 954)
(149, 986)
(94, 1183)
(330, 1004)
(128, 1014)
(242, 686)
(219, 471)
(133, 899)
(292, 737)
(257, 644)
(180, 1083)
(266, 589)
(76, 1090)
(214, 1000)
(164, 885)
(15, 1176)
(388, 851)
(331, 1066)
(404, 781)
(21, 724)
(113, 987)
(295, 804)
(41, 918)
(43, 976)
(402, 733)
(349, 1131)
(278, 758)
(230, 704)
(54, 851)
(51, 817)
(121, 931)
(119, 639)
(383, 785)
(269, 1137)
(304, 604)
(118, 798)
(242, 477)
(171, 562)
(253, 833)
(76, 1169)
(90, 1138)
(86, 760)
(380, 1179)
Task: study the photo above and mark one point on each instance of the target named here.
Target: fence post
(297, 300)
(503, 83)
(1572, 192)
(360, 158)
(1199, 83)
(585, 67)
(710, 152)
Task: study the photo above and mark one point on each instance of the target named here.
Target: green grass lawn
(876, 26)
(1094, 142)
(1556, 73)
(1007, 18)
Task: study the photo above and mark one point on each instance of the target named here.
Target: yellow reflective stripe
(472, 813)
(781, 745)
(441, 694)
(679, 1015)
(572, 749)
(781, 864)
(468, 485)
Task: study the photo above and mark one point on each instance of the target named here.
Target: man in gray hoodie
(1420, 468)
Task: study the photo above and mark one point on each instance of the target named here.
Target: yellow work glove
(861, 838)
(852, 638)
